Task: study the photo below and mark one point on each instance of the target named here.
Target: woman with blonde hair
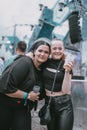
(61, 104)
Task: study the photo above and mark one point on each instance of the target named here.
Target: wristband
(25, 98)
(25, 95)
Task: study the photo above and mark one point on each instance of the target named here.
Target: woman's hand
(68, 67)
(33, 96)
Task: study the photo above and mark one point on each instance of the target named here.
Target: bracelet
(25, 95)
(25, 98)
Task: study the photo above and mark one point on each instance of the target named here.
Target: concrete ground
(36, 125)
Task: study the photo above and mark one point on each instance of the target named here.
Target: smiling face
(41, 53)
(57, 49)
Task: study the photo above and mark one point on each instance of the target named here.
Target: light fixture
(32, 26)
(41, 6)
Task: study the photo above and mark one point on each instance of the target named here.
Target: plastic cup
(36, 88)
(69, 58)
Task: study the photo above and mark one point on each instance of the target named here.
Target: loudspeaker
(74, 27)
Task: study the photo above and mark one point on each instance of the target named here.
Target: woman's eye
(57, 48)
(60, 48)
(46, 52)
(40, 50)
(54, 48)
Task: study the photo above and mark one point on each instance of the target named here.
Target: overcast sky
(20, 12)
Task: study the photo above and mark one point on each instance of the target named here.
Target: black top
(23, 75)
(48, 76)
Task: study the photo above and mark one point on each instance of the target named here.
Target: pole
(14, 42)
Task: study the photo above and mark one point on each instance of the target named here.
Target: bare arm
(20, 94)
(66, 86)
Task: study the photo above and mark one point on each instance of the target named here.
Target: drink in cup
(69, 58)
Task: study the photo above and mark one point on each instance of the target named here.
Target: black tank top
(48, 76)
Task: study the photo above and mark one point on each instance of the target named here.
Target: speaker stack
(74, 27)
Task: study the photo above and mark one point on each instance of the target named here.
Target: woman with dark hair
(17, 98)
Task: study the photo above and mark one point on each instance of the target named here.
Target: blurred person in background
(20, 51)
(1, 65)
